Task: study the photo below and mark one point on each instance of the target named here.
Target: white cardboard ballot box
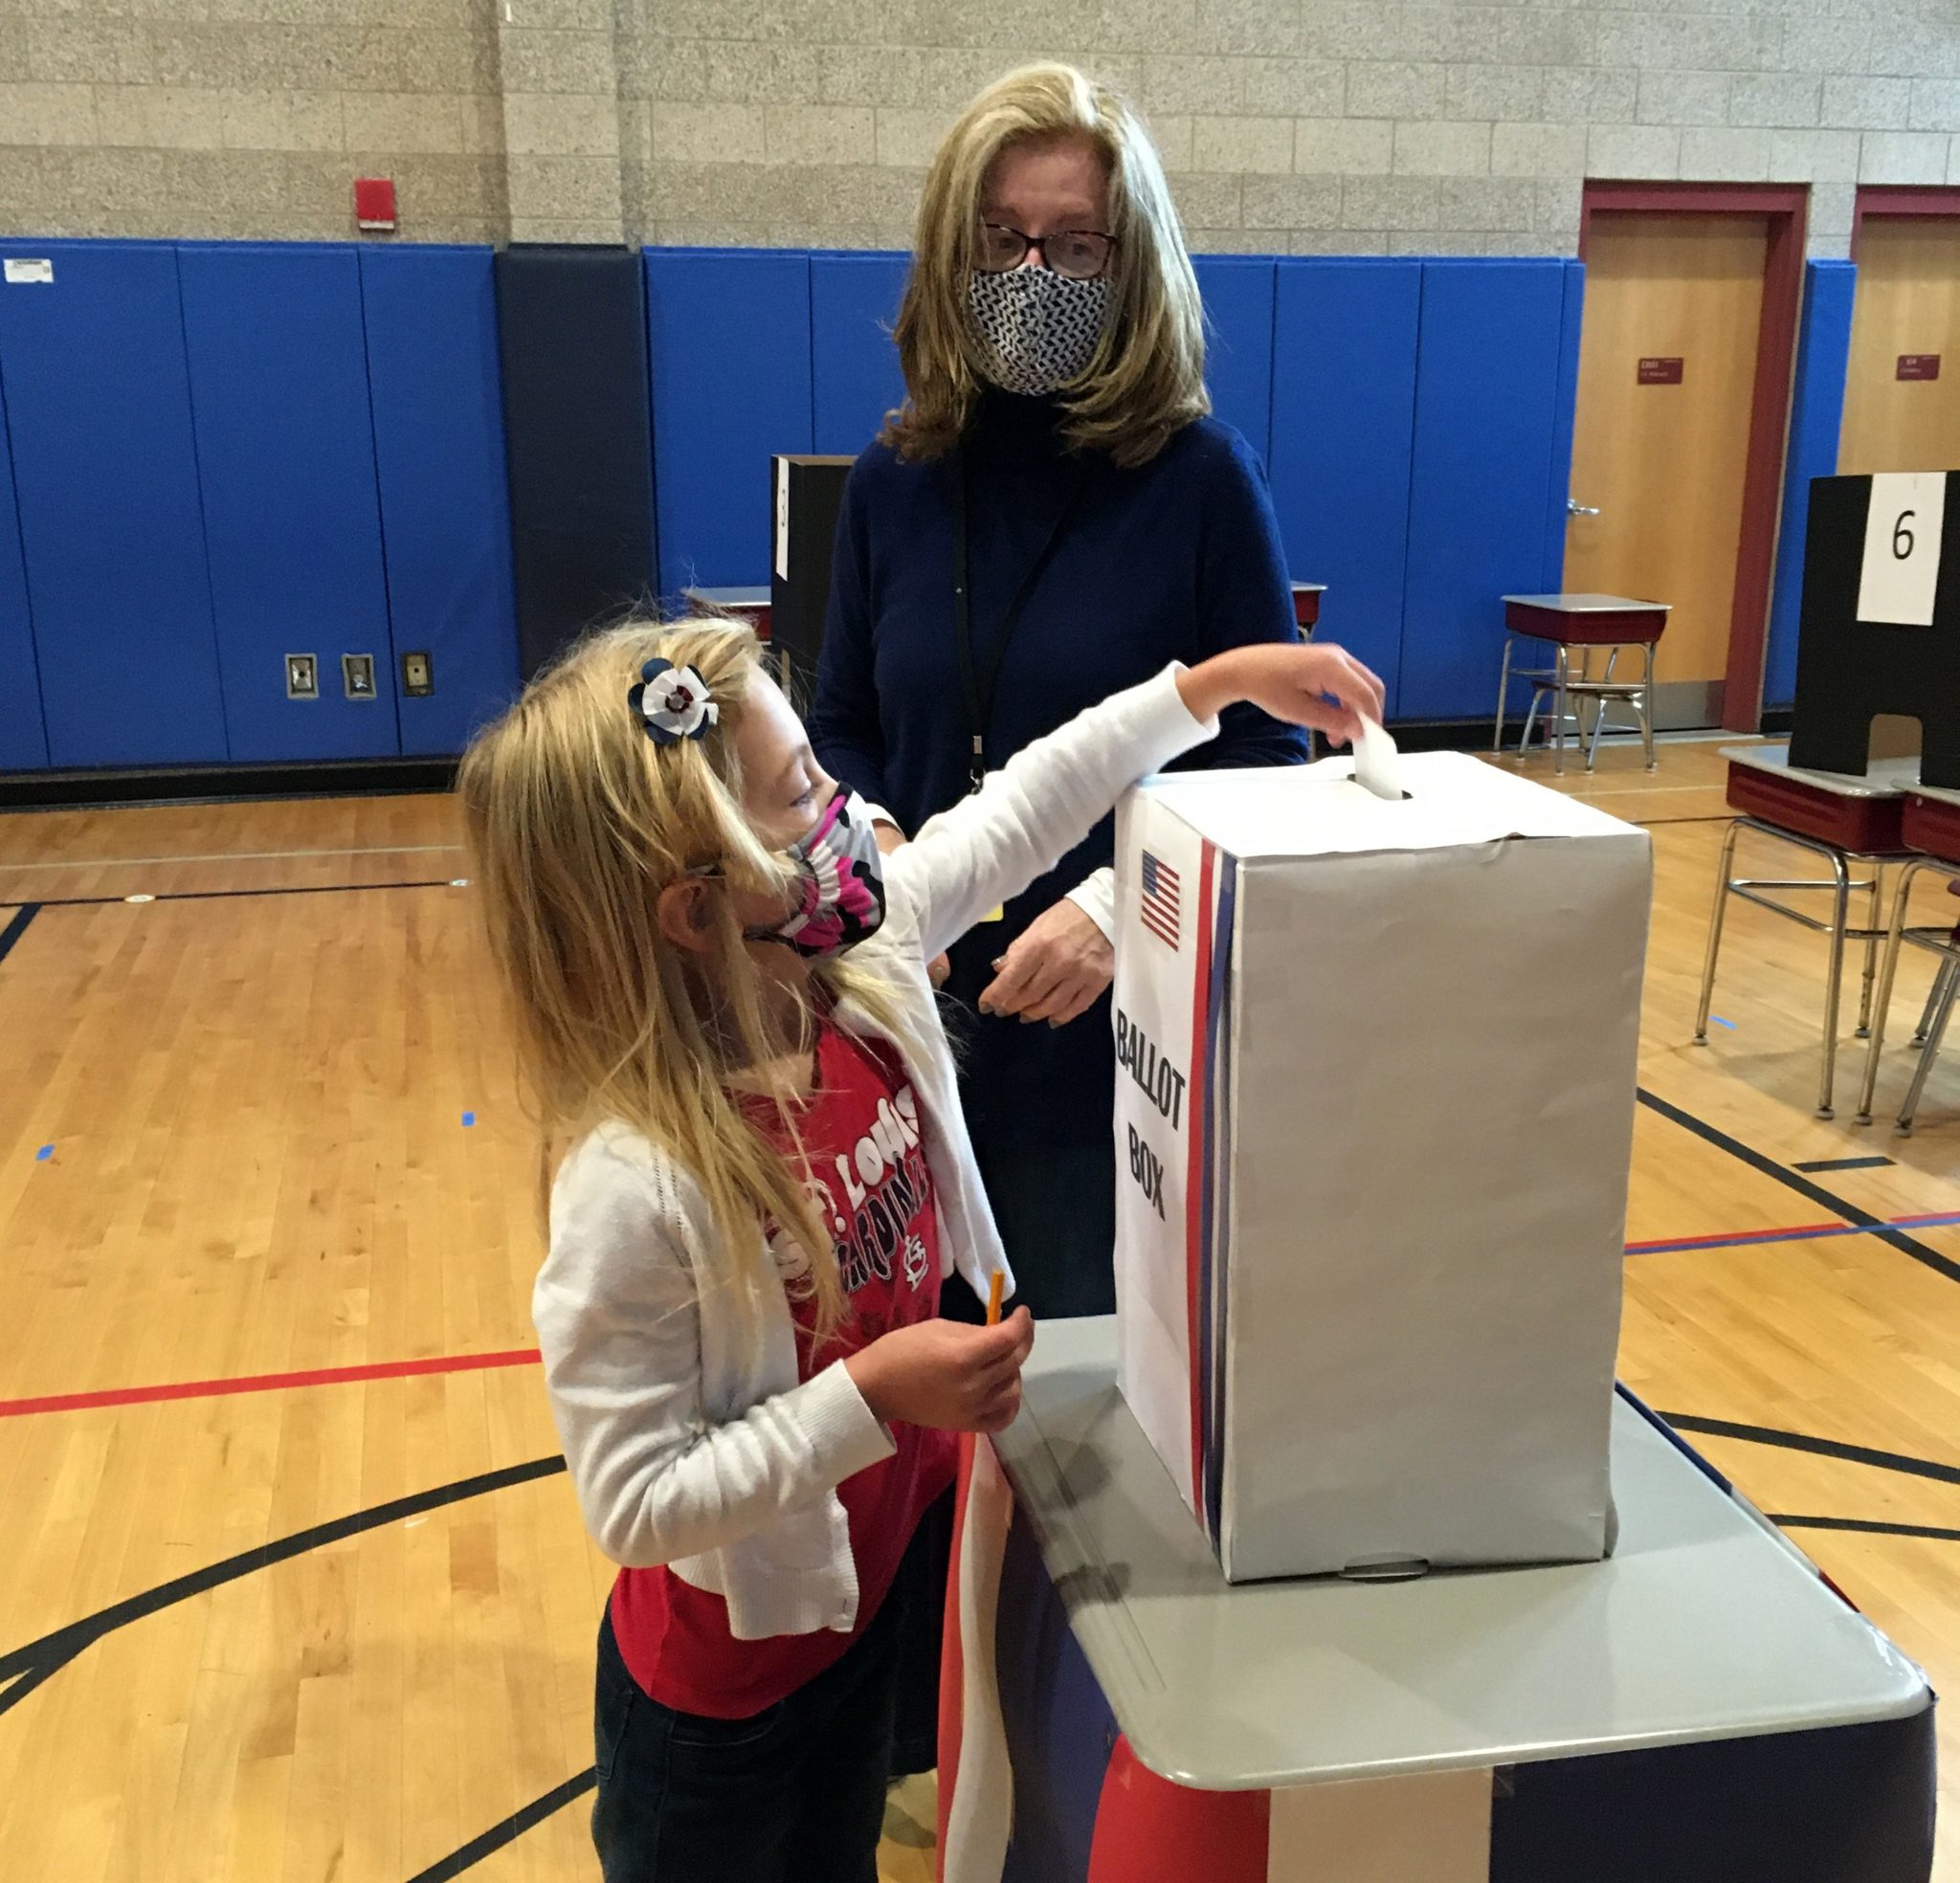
(1375, 1082)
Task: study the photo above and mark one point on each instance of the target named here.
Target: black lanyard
(979, 687)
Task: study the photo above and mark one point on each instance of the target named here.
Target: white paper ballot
(1377, 764)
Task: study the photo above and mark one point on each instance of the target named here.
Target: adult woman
(1050, 517)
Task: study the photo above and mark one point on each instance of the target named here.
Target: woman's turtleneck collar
(1013, 432)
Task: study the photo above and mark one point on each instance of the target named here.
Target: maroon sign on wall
(1919, 365)
(1661, 372)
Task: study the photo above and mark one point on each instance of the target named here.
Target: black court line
(1822, 1448)
(1864, 1527)
(1845, 1163)
(26, 1668)
(512, 1827)
(223, 895)
(23, 914)
(1817, 1193)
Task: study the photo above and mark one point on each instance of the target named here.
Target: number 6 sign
(1902, 547)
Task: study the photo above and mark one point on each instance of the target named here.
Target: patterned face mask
(840, 883)
(1037, 330)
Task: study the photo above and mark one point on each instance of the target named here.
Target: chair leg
(1504, 696)
(1888, 972)
(1647, 708)
(1562, 667)
(1931, 1052)
(1724, 871)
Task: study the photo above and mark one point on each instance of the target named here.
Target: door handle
(1574, 508)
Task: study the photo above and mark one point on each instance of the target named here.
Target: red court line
(1723, 1237)
(402, 1370)
(250, 1382)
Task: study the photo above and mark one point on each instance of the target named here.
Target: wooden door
(1901, 390)
(1668, 361)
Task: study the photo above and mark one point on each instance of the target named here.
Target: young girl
(720, 994)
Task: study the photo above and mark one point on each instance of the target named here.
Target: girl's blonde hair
(1148, 378)
(578, 821)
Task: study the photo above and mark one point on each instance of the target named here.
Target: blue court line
(42, 1155)
(1814, 1232)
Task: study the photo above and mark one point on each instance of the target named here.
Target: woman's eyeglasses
(1078, 254)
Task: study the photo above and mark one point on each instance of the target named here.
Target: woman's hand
(941, 1373)
(1317, 685)
(890, 838)
(1056, 970)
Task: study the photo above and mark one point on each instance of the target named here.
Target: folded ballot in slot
(1375, 1083)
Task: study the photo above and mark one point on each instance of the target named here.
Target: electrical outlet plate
(357, 676)
(418, 675)
(302, 677)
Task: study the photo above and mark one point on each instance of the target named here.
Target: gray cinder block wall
(1299, 127)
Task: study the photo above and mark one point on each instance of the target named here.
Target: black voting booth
(807, 492)
(1864, 535)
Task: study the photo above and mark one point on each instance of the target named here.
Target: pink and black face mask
(839, 883)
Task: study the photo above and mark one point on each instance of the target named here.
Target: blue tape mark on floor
(1716, 1020)
(42, 1155)
(468, 1118)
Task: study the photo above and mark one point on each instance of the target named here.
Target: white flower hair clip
(673, 702)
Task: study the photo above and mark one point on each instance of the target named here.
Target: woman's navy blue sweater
(1173, 560)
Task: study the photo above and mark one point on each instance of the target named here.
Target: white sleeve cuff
(844, 1432)
(1094, 896)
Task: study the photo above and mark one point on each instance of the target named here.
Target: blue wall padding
(431, 316)
(855, 377)
(1488, 389)
(285, 452)
(105, 477)
(1565, 411)
(730, 338)
(1237, 291)
(1344, 415)
(23, 741)
(1816, 415)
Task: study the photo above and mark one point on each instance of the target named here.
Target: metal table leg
(1895, 939)
(1930, 1051)
(1722, 874)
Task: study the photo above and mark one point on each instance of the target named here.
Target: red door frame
(1785, 207)
(1921, 200)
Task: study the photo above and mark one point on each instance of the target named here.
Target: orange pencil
(993, 1288)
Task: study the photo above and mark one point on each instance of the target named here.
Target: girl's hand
(1316, 685)
(943, 1373)
(1056, 970)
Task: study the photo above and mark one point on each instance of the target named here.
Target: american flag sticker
(1161, 910)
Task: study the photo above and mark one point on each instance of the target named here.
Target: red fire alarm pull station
(1661, 371)
(375, 204)
(1919, 365)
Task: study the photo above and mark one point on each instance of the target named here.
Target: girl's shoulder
(615, 1172)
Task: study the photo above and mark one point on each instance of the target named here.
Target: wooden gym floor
(292, 1586)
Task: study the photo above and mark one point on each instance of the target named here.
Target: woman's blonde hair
(1148, 378)
(577, 821)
